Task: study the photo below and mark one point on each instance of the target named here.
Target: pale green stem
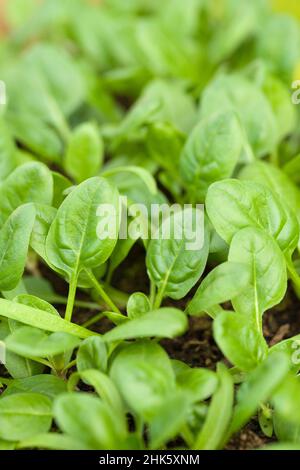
(187, 435)
(93, 320)
(71, 364)
(159, 297)
(60, 300)
(152, 293)
(109, 275)
(40, 361)
(102, 292)
(274, 158)
(71, 298)
(119, 297)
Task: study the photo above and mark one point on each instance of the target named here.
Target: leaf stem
(93, 320)
(274, 158)
(159, 297)
(68, 366)
(71, 298)
(152, 293)
(109, 275)
(102, 292)
(119, 297)
(60, 300)
(41, 361)
(187, 435)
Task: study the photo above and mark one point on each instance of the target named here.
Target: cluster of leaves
(186, 102)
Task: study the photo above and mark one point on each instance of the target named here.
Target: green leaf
(257, 388)
(7, 151)
(176, 261)
(31, 182)
(31, 342)
(41, 319)
(161, 100)
(279, 44)
(18, 290)
(120, 252)
(286, 429)
(234, 24)
(39, 287)
(43, 220)
(291, 169)
(236, 93)
(144, 376)
(290, 347)
(222, 284)
(60, 185)
(219, 414)
(14, 242)
(20, 11)
(211, 152)
(162, 323)
(35, 135)
(116, 318)
(35, 302)
(166, 424)
(23, 415)
(45, 384)
(276, 180)
(285, 399)
(164, 144)
(89, 420)
(58, 73)
(77, 244)
(104, 387)
(197, 383)
(92, 354)
(239, 340)
(53, 441)
(232, 205)
(279, 183)
(265, 421)
(284, 111)
(85, 152)
(138, 304)
(282, 446)
(143, 174)
(18, 367)
(6, 445)
(266, 263)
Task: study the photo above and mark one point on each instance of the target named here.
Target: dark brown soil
(284, 320)
(249, 438)
(197, 347)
